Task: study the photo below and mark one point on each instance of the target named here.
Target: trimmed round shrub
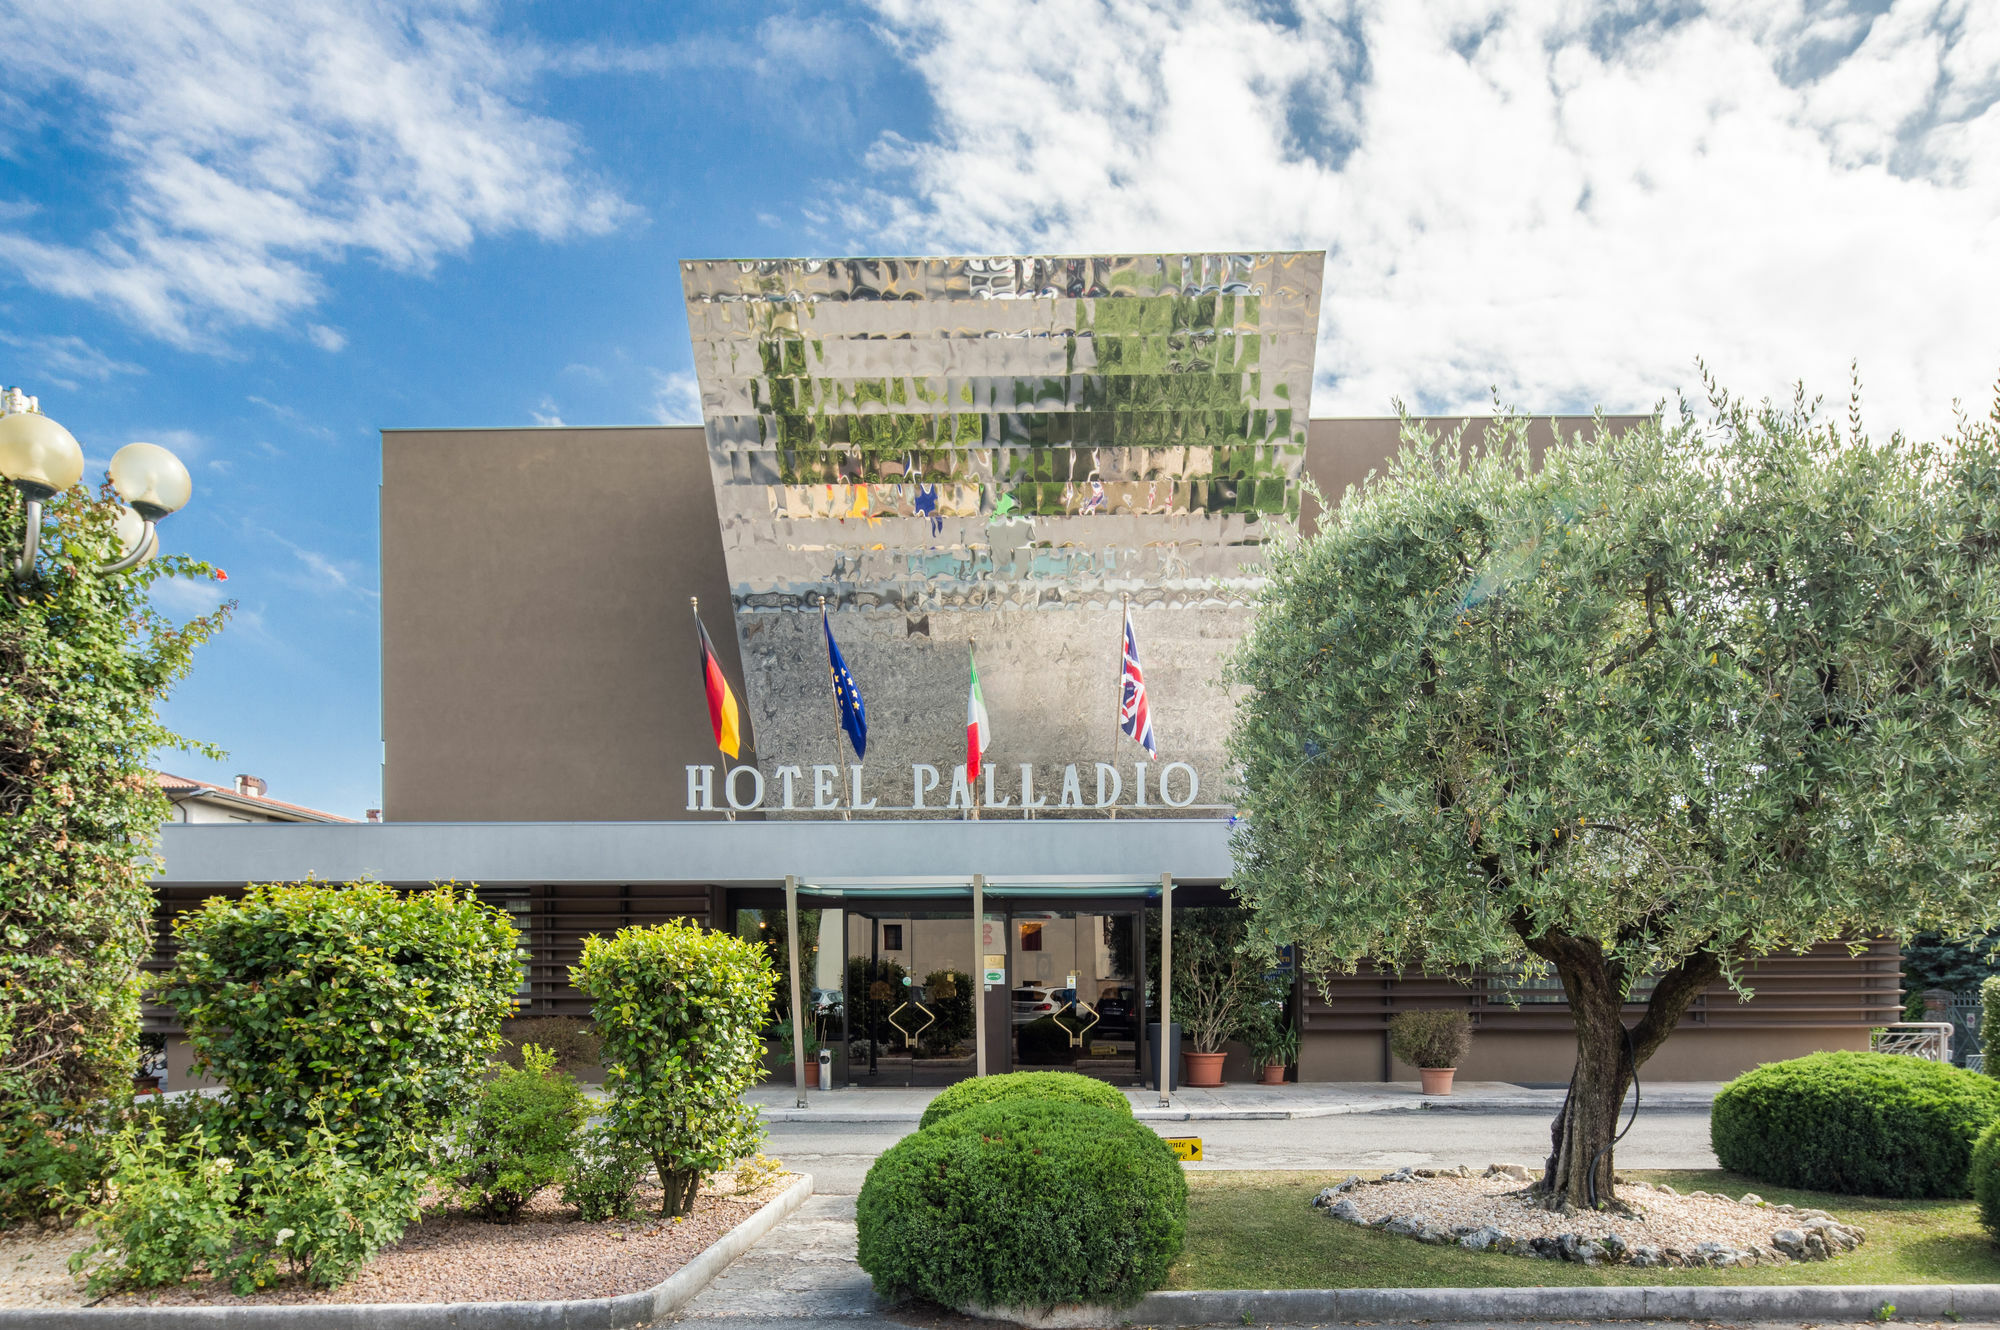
(1867, 1124)
(1986, 1180)
(355, 1006)
(1024, 1204)
(1045, 1087)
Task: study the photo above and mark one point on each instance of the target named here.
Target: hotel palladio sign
(828, 788)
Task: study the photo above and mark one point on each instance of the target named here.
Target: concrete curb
(1691, 1302)
(628, 1310)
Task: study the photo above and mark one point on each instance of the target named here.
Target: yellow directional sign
(1186, 1147)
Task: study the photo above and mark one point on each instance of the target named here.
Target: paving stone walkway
(803, 1271)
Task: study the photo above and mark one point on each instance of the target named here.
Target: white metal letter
(856, 802)
(1072, 795)
(961, 789)
(786, 775)
(1028, 796)
(918, 785)
(1008, 802)
(701, 789)
(826, 786)
(1117, 784)
(756, 784)
(1194, 785)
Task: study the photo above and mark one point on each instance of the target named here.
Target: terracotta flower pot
(812, 1074)
(1437, 1080)
(1201, 1069)
(1274, 1073)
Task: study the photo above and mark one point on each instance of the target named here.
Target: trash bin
(1173, 1057)
(826, 1069)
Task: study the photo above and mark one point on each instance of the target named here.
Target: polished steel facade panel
(1000, 449)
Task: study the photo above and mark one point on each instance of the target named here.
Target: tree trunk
(677, 1189)
(1581, 1164)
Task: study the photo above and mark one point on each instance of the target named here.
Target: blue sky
(259, 233)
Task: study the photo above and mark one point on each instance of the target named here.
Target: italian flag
(978, 731)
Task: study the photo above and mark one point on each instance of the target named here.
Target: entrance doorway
(1074, 995)
(907, 1016)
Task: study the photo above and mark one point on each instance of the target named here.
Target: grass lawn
(1257, 1230)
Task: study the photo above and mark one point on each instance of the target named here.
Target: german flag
(723, 713)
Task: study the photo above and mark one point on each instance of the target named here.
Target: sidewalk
(1238, 1103)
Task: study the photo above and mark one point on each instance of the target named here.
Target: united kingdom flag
(1134, 717)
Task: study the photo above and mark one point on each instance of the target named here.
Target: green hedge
(1868, 1124)
(355, 1006)
(1040, 1086)
(1024, 1204)
(1986, 1180)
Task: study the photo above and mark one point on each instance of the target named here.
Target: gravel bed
(1489, 1212)
(448, 1256)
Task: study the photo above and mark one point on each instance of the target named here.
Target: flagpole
(846, 814)
(694, 604)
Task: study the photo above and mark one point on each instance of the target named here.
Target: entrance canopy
(1100, 856)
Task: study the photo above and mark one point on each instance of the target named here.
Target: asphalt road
(838, 1154)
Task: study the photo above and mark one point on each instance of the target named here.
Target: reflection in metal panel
(999, 449)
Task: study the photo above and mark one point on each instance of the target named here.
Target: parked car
(1032, 1002)
(1114, 1007)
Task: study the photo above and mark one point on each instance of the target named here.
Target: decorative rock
(1791, 1242)
(1432, 1235)
(1347, 1212)
(1616, 1248)
(1406, 1225)
(1588, 1253)
(1514, 1171)
(1664, 1189)
(1645, 1256)
(1752, 1198)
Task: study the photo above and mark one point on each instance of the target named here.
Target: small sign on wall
(996, 970)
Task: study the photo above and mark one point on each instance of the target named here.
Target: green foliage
(1989, 1024)
(182, 1207)
(1869, 1124)
(1045, 1087)
(53, 1162)
(604, 1176)
(1434, 1037)
(84, 663)
(680, 1009)
(1216, 975)
(1986, 1179)
(782, 1032)
(948, 993)
(1045, 1042)
(1957, 965)
(354, 1003)
(574, 1043)
(1018, 1203)
(519, 1137)
(1650, 704)
(1265, 1028)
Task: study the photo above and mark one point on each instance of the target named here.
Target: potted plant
(1433, 1041)
(782, 1031)
(1215, 979)
(1275, 1051)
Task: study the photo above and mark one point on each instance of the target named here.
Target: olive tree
(1654, 705)
(84, 664)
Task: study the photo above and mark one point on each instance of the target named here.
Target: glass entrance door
(907, 1014)
(1075, 996)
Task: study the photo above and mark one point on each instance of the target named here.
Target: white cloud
(66, 362)
(1568, 201)
(186, 597)
(256, 144)
(325, 338)
(548, 413)
(676, 397)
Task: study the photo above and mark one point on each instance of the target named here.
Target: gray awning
(1050, 856)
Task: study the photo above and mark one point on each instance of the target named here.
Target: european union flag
(853, 715)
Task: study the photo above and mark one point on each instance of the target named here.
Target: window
(1031, 937)
(892, 937)
(1511, 983)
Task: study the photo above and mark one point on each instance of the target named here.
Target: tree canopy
(1650, 704)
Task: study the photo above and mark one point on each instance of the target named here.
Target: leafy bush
(1989, 1024)
(1870, 1124)
(604, 1177)
(182, 1207)
(1436, 1037)
(680, 1009)
(1044, 1042)
(573, 1041)
(1986, 1180)
(1045, 1087)
(1018, 1203)
(53, 1163)
(757, 1172)
(85, 661)
(373, 1009)
(520, 1137)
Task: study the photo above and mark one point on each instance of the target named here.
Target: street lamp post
(42, 459)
